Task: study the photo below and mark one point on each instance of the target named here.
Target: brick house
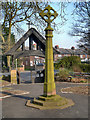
(32, 60)
(70, 52)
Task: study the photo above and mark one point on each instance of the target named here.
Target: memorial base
(51, 102)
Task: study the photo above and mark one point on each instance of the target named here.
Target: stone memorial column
(49, 84)
(49, 99)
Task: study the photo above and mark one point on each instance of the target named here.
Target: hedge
(85, 67)
(68, 62)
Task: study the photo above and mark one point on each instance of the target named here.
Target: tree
(4, 45)
(68, 62)
(5, 35)
(16, 12)
(13, 13)
(81, 27)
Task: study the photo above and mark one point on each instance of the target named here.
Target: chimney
(57, 46)
(73, 48)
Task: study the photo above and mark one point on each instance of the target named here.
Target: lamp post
(16, 64)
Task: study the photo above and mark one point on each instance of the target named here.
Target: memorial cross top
(48, 13)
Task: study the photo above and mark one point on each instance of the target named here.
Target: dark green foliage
(5, 31)
(68, 62)
(85, 67)
(29, 67)
(72, 63)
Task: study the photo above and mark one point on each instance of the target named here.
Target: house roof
(70, 51)
(35, 33)
(63, 51)
(27, 53)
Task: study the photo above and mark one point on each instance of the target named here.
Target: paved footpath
(14, 107)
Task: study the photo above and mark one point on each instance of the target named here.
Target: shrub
(78, 80)
(76, 68)
(63, 74)
(85, 67)
(83, 81)
(68, 62)
(29, 67)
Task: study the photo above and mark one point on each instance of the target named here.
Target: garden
(72, 70)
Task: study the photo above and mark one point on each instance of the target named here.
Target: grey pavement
(14, 107)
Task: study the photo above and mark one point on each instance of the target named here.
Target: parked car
(43, 71)
(40, 64)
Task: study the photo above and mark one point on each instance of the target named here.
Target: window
(26, 62)
(59, 55)
(81, 56)
(31, 63)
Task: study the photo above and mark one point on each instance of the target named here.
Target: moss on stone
(50, 102)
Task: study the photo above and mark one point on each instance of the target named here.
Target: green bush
(29, 67)
(76, 68)
(85, 67)
(63, 74)
(68, 62)
(83, 81)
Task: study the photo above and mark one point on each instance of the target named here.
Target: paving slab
(14, 107)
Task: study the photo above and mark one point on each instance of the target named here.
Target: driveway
(14, 107)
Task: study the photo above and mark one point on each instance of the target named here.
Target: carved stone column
(49, 99)
(49, 84)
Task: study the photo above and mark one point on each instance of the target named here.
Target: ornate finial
(48, 14)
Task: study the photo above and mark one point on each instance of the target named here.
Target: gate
(28, 77)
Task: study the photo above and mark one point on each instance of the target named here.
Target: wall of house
(32, 60)
(58, 56)
(26, 61)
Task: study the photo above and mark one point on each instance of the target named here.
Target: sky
(63, 39)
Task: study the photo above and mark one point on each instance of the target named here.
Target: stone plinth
(51, 102)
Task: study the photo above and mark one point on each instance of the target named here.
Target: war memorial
(49, 99)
